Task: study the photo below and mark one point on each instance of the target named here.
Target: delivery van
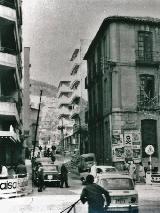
(86, 161)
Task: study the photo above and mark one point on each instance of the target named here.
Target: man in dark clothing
(21, 169)
(40, 177)
(64, 176)
(95, 195)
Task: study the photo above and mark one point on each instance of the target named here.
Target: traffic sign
(149, 150)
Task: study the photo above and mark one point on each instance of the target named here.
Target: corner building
(124, 90)
(10, 82)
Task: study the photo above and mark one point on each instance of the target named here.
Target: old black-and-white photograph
(80, 106)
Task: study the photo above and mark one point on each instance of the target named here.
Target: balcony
(75, 80)
(63, 89)
(8, 57)
(64, 111)
(147, 57)
(8, 3)
(75, 95)
(75, 111)
(63, 100)
(6, 12)
(9, 135)
(8, 108)
(148, 104)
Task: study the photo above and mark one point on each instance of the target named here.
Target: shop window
(149, 135)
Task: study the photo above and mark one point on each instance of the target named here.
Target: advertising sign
(118, 153)
(8, 186)
(117, 137)
(128, 139)
(137, 155)
(128, 152)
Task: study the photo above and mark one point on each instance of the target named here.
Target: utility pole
(35, 136)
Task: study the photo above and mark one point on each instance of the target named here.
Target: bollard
(148, 178)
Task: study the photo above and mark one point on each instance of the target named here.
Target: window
(146, 87)
(145, 46)
(117, 184)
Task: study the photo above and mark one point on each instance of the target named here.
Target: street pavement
(54, 200)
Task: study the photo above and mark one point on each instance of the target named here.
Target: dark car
(51, 174)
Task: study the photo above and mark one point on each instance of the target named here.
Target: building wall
(112, 64)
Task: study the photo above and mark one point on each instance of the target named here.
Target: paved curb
(14, 195)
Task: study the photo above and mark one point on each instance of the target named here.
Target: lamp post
(62, 133)
(80, 145)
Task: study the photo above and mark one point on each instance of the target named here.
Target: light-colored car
(97, 170)
(124, 197)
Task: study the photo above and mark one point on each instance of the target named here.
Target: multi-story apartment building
(124, 89)
(10, 81)
(64, 109)
(79, 97)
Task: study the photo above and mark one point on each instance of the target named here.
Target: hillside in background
(47, 132)
(48, 89)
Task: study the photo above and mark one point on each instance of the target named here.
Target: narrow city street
(54, 199)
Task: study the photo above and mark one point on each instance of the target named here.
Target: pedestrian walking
(64, 176)
(21, 169)
(132, 171)
(95, 195)
(126, 167)
(40, 177)
(141, 173)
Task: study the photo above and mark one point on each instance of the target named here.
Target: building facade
(65, 125)
(79, 97)
(124, 89)
(11, 144)
(26, 112)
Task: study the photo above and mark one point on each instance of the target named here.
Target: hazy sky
(53, 29)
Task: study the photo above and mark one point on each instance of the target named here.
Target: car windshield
(49, 168)
(110, 169)
(89, 159)
(117, 184)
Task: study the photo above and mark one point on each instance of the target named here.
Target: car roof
(88, 155)
(41, 160)
(103, 176)
(99, 166)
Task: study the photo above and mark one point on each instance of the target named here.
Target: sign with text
(8, 185)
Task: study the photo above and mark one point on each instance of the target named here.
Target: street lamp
(62, 133)
(80, 145)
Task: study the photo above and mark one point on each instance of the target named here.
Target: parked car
(51, 174)
(97, 170)
(51, 171)
(124, 197)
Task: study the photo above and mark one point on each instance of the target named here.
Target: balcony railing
(8, 50)
(7, 99)
(148, 104)
(147, 56)
(7, 3)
